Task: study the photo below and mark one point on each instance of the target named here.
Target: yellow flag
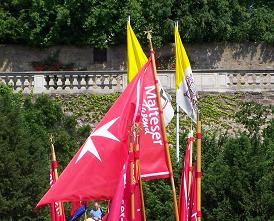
(136, 60)
(186, 94)
(136, 55)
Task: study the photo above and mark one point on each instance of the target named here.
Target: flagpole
(132, 201)
(163, 127)
(177, 125)
(198, 177)
(54, 161)
(138, 169)
(177, 132)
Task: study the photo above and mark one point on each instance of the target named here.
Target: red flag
(54, 206)
(193, 196)
(184, 186)
(152, 145)
(117, 209)
(120, 207)
(93, 173)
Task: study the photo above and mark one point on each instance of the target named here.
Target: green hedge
(102, 23)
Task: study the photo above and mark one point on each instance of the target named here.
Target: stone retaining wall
(202, 56)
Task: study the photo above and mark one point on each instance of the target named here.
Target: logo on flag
(100, 132)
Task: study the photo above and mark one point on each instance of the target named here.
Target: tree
(102, 23)
(238, 179)
(24, 146)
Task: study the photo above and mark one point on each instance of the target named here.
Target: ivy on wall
(217, 110)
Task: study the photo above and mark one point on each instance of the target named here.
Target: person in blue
(96, 213)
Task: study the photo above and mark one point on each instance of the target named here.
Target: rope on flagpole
(163, 127)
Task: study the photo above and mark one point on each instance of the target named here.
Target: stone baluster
(58, 82)
(67, 83)
(239, 81)
(233, 81)
(119, 83)
(26, 85)
(105, 81)
(110, 82)
(22, 82)
(10, 81)
(75, 82)
(91, 84)
(51, 82)
(18, 83)
(99, 81)
(15, 86)
(83, 83)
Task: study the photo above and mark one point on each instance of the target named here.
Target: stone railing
(112, 81)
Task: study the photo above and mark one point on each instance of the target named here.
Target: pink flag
(193, 214)
(54, 206)
(152, 144)
(93, 173)
(184, 190)
(120, 207)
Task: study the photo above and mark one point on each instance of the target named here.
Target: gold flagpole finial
(149, 37)
(51, 138)
(148, 33)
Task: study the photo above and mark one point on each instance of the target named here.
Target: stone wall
(202, 56)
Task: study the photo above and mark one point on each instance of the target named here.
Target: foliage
(237, 168)
(102, 23)
(24, 161)
(238, 178)
(238, 171)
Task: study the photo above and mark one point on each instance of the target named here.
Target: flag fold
(188, 180)
(136, 59)
(93, 173)
(186, 94)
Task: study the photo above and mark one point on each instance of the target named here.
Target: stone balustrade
(112, 81)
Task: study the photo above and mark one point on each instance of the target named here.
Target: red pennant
(152, 143)
(193, 214)
(120, 207)
(184, 192)
(54, 206)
